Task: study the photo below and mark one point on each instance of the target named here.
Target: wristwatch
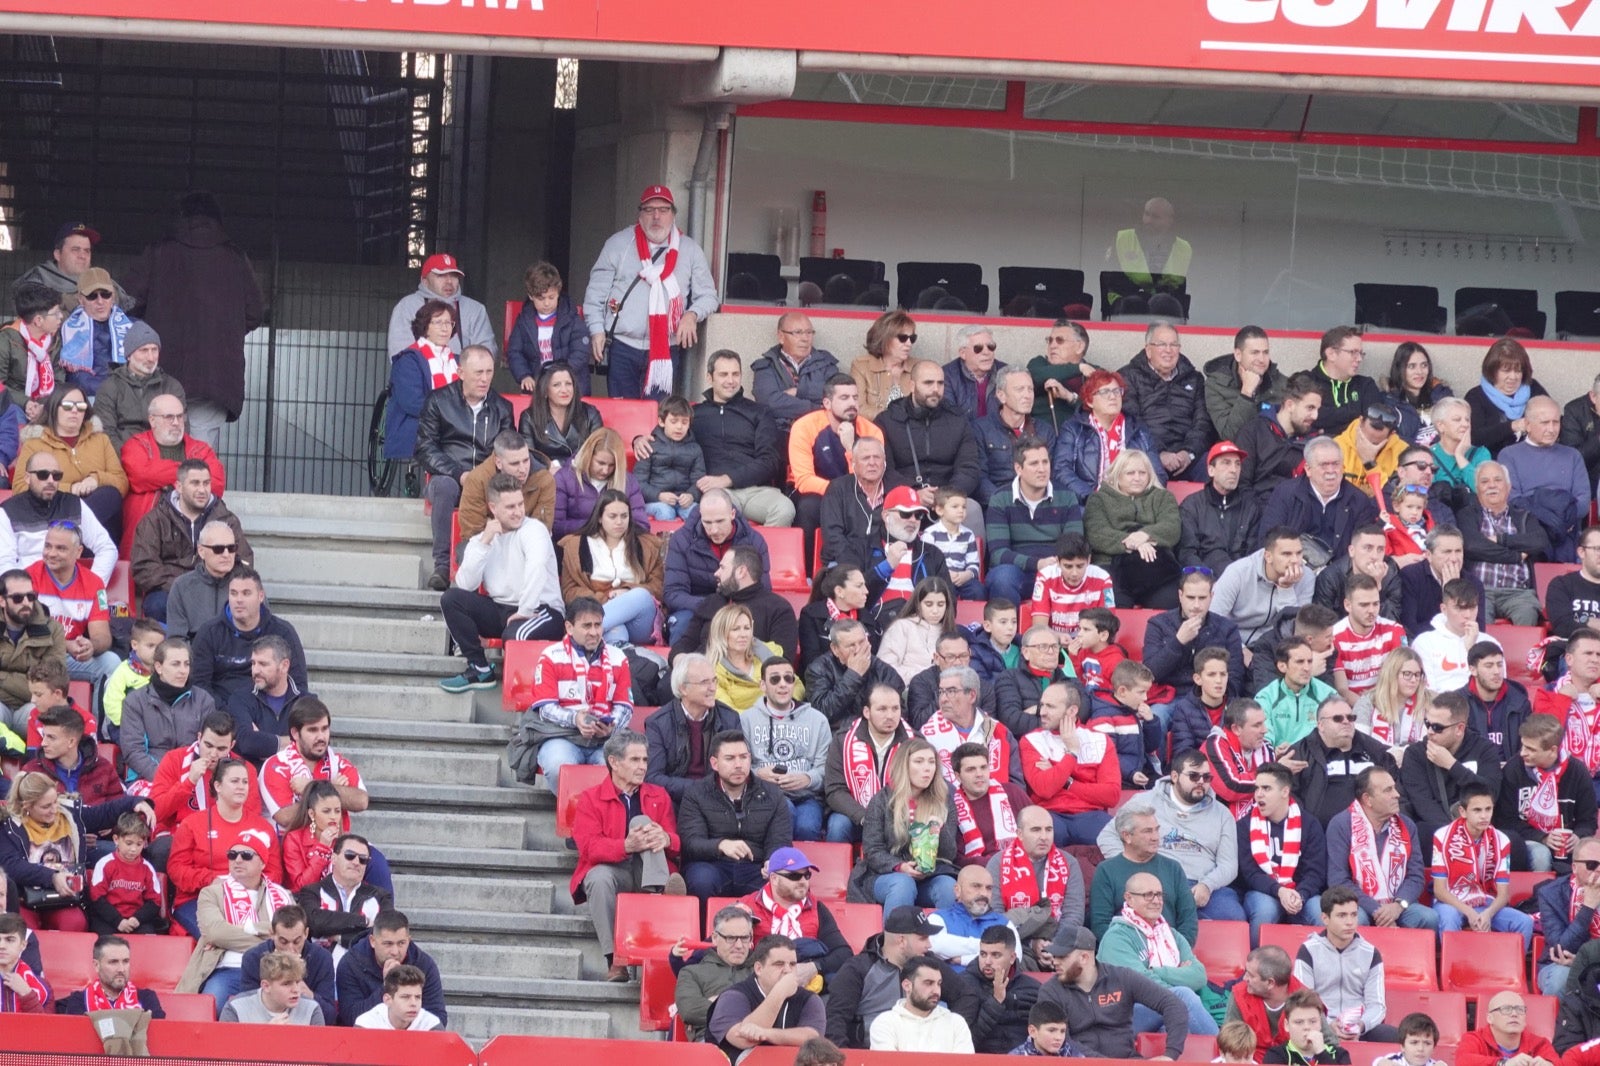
(1404, 903)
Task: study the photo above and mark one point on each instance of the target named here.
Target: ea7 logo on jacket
(1106, 999)
(1460, 16)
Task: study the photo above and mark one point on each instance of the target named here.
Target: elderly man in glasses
(342, 906)
(167, 542)
(725, 965)
(26, 516)
(153, 447)
(1198, 832)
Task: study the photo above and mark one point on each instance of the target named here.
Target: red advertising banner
(1554, 42)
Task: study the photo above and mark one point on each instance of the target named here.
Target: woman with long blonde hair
(733, 649)
(1392, 711)
(601, 463)
(909, 839)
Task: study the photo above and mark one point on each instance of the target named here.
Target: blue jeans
(972, 590)
(558, 752)
(903, 890)
(1201, 1023)
(1263, 909)
(629, 367)
(1083, 828)
(222, 985)
(807, 815)
(1011, 582)
(1415, 916)
(1505, 920)
(630, 617)
(1553, 979)
(95, 670)
(675, 623)
(723, 878)
(666, 512)
(841, 830)
(184, 915)
(1163, 712)
(1223, 906)
(154, 605)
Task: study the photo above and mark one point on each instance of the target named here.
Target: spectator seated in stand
(363, 969)
(599, 465)
(730, 822)
(1128, 719)
(967, 918)
(741, 578)
(789, 741)
(1006, 996)
(455, 431)
(25, 990)
(929, 442)
(1471, 871)
(787, 906)
(837, 683)
(1222, 521)
(1088, 442)
(1436, 770)
(1107, 1005)
(1141, 940)
(1546, 802)
(859, 759)
(1041, 889)
(1253, 591)
(548, 330)
(1445, 647)
(695, 554)
(741, 444)
(262, 711)
(28, 515)
(852, 504)
(910, 840)
(1365, 555)
(90, 464)
(1346, 970)
(1133, 524)
(112, 987)
(125, 892)
(280, 1000)
(510, 455)
(308, 838)
(134, 673)
(1070, 585)
(1502, 542)
(920, 1021)
(1568, 907)
(1026, 519)
(949, 532)
(1283, 856)
(868, 985)
(727, 963)
(228, 822)
(1047, 1033)
(200, 595)
(75, 597)
(162, 715)
(986, 805)
(1071, 771)
(402, 1007)
(1235, 748)
(910, 640)
(953, 648)
(1374, 849)
(1573, 599)
(291, 935)
(1323, 507)
(1274, 438)
(582, 694)
(1335, 755)
(618, 564)
(167, 543)
(126, 405)
(151, 459)
(223, 647)
(232, 915)
(1137, 827)
(1504, 1037)
(1173, 639)
(65, 754)
(1305, 1020)
(343, 905)
(182, 781)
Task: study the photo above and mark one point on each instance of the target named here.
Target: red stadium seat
(1195, 1048)
(713, 905)
(159, 961)
(1222, 950)
(796, 600)
(120, 588)
(833, 870)
(787, 550)
(572, 782)
(658, 989)
(630, 418)
(640, 716)
(188, 1006)
(1447, 1009)
(1544, 573)
(516, 683)
(969, 612)
(1480, 962)
(1182, 490)
(665, 526)
(648, 925)
(1542, 1012)
(520, 402)
(1524, 883)
(1287, 937)
(1131, 635)
(68, 959)
(859, 922)
(1517, 642)
(1363, 1052)
(1408, 960)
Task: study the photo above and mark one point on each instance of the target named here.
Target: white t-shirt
(378, 1018)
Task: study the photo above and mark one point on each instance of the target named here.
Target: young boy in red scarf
(1471, 871)
(21, 990)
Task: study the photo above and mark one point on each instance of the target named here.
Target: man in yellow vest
(1149, 254)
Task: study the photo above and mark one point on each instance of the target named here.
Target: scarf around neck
(77, 338)
(665, 306)
(1512, 406)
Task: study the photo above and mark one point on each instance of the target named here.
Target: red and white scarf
(41, 380)
(946, 738)
(1243, 764)
(1582, 737)
(860, 765)
(1111, 442)
(8, 998)
(331, 768)
(239, 903)
(441, 363)
(1019, 886)
(1471, 864)
(1378, 876)
(785, 920)
(601, 690)
(834, 614)
(95, 998)
(900, 586)
(1544, 806)
(1283, 870)
(201, 795)
(1005, 820)
(1575, 903)
(666, 307)
(1160, 945)
(1412, 726)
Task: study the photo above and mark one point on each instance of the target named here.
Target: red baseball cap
(1226, 447)
(443, 263)
(904, 498)
(657, 192)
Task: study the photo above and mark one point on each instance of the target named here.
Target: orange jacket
(803, 438)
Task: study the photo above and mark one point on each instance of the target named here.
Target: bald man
(966, 920)
(1140, 939)
(1504, 1040)
(1040, 887)
(1545, 475)
(789, 377)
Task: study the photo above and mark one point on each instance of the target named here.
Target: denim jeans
(1505, 920)
(1553, 979)
(558, 752)
(807, 816)
(1010, 582)
(666, 512)
(1262, 909)
(841, 830)
(1201, 1023)
(1415, 916)
(903, 890)
(630, 617)
(1223, 906)
(629, 368)
(1081, 828)
(222, 985)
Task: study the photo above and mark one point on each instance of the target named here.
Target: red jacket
(1584, 1054)
(1069, 786)
(97, 778)
(600, 825)
(1479, 1048)
(1253, 1012)
(149, 476)
(200, 850)
(175, 797)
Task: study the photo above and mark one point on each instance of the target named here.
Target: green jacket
(14, 362)
(1230, 409)
(123, 402)
(1105, 893)
(1289, 716)
(699, 985)
(1123, 945)
(1108, 516)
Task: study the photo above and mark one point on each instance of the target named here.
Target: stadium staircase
(478, 867)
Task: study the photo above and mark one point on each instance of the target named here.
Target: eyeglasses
(781, 679)
(1435, 727)
(656, 210)
(356, 856)
(20, 598)
(1341, 719)
(1415, 490)
(1509, 1008)
(906, 338)
(700, 681)
(1163, 344)
(47, 475)
(167, 418)
(220, 549)
(796, 875)
(733, 938)
(99, 294)
(74, 405)
(947, 691)
(1154, 893)
(798, 332)
(985, 347)
(1411, 675)
(1053, 649)
(1192, 776)
(1421, 464)
(1109, 390)
(240, 855)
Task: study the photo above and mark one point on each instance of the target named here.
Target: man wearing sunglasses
(1569, 912)
(167, 542)
(27, 516)
(1418, 468)
(94, 337)
(788, 907)
(789, 747)
(1335, 755)
(1436, 770)
(202, 593)
(970, 378)
(1371, 446)
(343, 905)
(30, 636)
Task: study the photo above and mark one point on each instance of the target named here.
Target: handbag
(36, 898)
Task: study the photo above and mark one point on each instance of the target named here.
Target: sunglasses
(781, 679)
(220, 549)
(906, 338)
(1420, 464)
(47, 475)
(1435, 727)
(20, 598)
(356, 856)
(796, 875)
(240, 855)
(99, 294)
(1414, 490)
(985, 347)
(1341, 719)
(74, 405)
(1588, 864)
(1192, 776)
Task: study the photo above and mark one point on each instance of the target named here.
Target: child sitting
(1047, 1033)
(1302, 1013)
(21, 990)
(125, 891)
(548, 330)
(134, 673)
(1130, 723)
(668, 476)
(1070, 586)
(1471, 868)
(1418, 1037)
(1406, 524)
(1094, 651)
(959, 544)
(47, 687)
(909, 643)
(994, 640)
(1236, 1042)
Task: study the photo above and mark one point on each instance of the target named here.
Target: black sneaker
(439, 580)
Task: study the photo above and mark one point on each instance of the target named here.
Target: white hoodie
(1444, 656)
(898, 1029)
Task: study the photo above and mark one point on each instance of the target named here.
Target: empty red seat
(572, 782)
(786, 549)
(1408, 955)
(68, 960)
(516, 680)
(969, 612)
(640, 716)
(188, 1006)
(833, 870)
(1287, 937)
(1481, 962)
(660, 526)
(713, 905)
(1517, 642)
(658, 989)
(1524, 883)
(520, 402)
(1182, 490)
(1131, 635)
(120, 588)
(1221, 949)
(159, 961)
(1447, 1009)
(1195, 1048)
(796, 600)
(858, 922)
(630, 418)
(648, 925)
(1544, 573)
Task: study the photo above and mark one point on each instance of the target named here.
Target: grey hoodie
(798, 740)
(475, 325)
(1204, 839)
(247, 1007)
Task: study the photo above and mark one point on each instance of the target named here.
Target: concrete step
(373, 732)
(361, 666)
(574, 931)
(396, 636)
(478, 1023)
(500, 895)
(348, 601)
(332, 566)
(507, 961)
(414, 795)
(356, 528)
(495, 862)
(415, 828)
(384, 706)
(333, 509)
(415, 763)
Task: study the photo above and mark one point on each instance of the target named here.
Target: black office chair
(1402, 308)
(1040, 292)
(1121, 295)
(827, 273)
(1577, 314)
(1486, 312)
(757, 269)
(962, 281)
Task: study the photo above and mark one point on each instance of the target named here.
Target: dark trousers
(471, 616)
(629, 368)
(808, 516)
(106, 503)
(722, 878)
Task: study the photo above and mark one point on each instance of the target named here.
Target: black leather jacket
(450, 439)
